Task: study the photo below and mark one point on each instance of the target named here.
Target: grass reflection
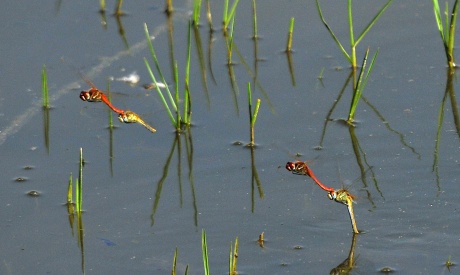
(177, 146)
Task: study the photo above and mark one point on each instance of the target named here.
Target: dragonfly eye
(84, 96)
(121, 118)
(332, 195)
(290, 166)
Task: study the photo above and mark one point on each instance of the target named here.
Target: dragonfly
(340, 195)
(132, 117)
(95, 95)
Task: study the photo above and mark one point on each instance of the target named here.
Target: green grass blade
(451, 38)
(45, 96)
(254, 9)
(80, 184)
(173, 272)
(204, 248)
(77, 194)
(290, 33)
(332, 33)
(171, 117)
(157, 65)
(437, 14)
(358, 91)
(256, 111)
(231, 15)
(196, 12)
(69, 190)
(350, 24)
(225, 13)
(187, 76)
(369, 26)
(363, 85)
(177, 98)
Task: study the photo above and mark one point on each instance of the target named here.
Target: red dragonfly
(301, 168)
(340, 195)
(96, 95)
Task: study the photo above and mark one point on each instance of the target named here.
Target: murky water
(146, 194)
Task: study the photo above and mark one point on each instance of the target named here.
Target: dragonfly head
(290, 166)
(84, 95)
(332, 195)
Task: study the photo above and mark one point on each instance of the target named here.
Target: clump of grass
(447, 30)
(359, 87)
(351, 57)
(45, 97)
(78, 188)
(448, 264)
(233, 258)
(204, 250)
(177, 121)
(228, 15)
(252, 116)
(289, 38)
(230, 44)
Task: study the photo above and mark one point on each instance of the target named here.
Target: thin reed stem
(69, 190)
(169, 7)
(289, 38)
(45, 97)
(254, 11)
(204, 249)
(79, 192)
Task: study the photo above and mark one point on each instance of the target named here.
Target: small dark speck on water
(298, 247)
(237, 143)
(28, 167)
(108, 242)
(20, 179)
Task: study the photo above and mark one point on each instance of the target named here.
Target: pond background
(133, 222)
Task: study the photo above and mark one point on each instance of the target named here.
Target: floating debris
(151, 86)
(33, 193)
(131, 79)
